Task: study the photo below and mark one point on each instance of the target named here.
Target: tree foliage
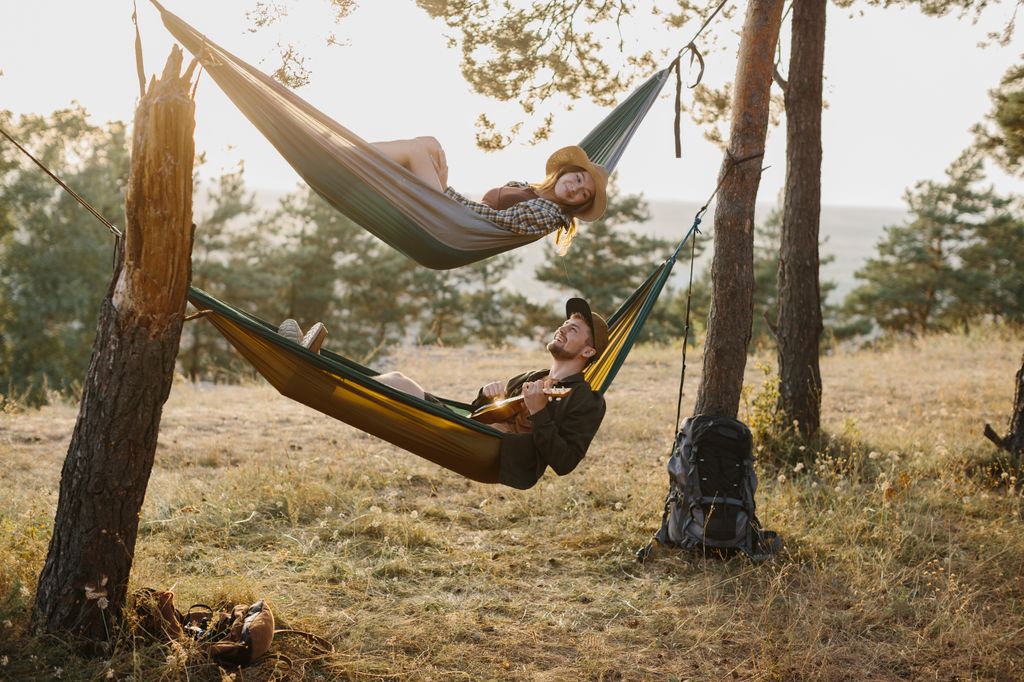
(958, 261)
(1006, 140)
(300, 259)
(55, 259)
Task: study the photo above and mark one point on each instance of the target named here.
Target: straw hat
(575, 156)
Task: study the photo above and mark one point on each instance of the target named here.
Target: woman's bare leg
(423, 156)
(402, 383)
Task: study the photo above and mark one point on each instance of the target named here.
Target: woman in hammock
(574, 188)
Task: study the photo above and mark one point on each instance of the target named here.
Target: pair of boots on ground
(312, 339)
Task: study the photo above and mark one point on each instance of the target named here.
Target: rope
(77, 197)
(705, 24)
(676, 65)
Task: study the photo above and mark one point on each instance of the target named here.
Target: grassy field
(897, 564)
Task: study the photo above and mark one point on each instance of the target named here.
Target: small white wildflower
(110, 673)
(102, 603)
(782, 478)
(58, 672)
(328, 509)
(8, 624)
(375, 523)
(894, 456)
(617, 506)
(375, 509)
(1005, 476)
(4, 661)
(874, 454)
(802, 448)
(798, 468)
(414, 514)
(839, 488)
(814, 484)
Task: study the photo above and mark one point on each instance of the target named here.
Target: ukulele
(507, 408)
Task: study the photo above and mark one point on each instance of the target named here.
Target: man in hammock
(546, 431)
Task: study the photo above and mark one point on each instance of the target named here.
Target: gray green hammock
(368, 187)
(346, 390)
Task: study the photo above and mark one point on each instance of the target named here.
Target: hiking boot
(314, 338)
(290, 330)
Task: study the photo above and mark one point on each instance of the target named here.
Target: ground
(899, 562)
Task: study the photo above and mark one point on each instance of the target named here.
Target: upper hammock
(377, 193)
(346, 390)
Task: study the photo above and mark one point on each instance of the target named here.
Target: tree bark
(1013, 441)
(799, 321)
(732, 270)
(84, 580)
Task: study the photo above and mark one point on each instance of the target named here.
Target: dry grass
(897, 565)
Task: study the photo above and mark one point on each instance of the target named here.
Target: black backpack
(710, 502)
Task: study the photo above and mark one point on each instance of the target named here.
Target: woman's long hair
(564, 235)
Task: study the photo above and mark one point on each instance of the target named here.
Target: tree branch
(779, 80)
(1000, 442)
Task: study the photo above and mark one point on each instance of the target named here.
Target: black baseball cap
(597, 324)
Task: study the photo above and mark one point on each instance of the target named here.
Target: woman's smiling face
(575, 188)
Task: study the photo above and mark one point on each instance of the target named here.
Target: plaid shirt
(531, 217)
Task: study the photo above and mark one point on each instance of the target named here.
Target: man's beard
(558, 351)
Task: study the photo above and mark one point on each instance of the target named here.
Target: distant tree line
(301, 259)
(957, 262)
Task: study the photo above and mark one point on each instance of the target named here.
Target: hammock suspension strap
(676, 66)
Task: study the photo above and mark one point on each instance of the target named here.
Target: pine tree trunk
(799, 322)
(1013, 441)
(1015, 437)
(732, 270)
(84, 580)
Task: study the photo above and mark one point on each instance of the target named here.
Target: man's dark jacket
(561, 433)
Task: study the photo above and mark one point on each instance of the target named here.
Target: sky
(902, 90)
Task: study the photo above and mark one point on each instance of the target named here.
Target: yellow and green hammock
(346, 390)
(368, 187)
